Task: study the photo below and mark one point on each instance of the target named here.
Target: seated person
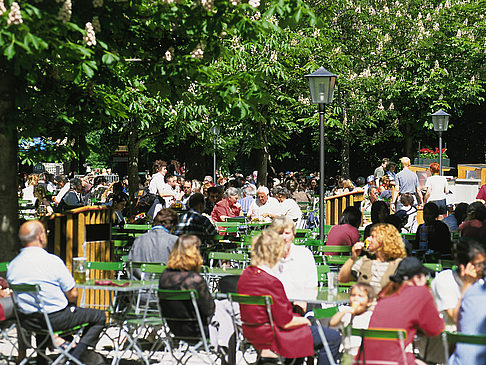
(475, 224)
(405, 303)
(357, 315)
(346, 232)
(264, 206)
(297, 268)
(385, 250)
(34, 265)
(454, 220)
(182, 273)
(433, 235)
(293, 335)
(408, 214)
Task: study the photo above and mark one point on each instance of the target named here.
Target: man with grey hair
(249, 192)
(34, 265)
(227, 207)
(406, 182)
(265, 205)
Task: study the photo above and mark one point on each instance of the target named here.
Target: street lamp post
(440, 119)
(321, 84)
(215, 130)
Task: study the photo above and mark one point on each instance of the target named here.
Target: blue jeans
(333, 338)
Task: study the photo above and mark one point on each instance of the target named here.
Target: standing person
(227, 207)
(158, 186)
(380, 170)
(34, 265)
(293, 335)
(386, 244)
(406, 181)
(156, 244)
(437, 188)
(405, 303)
(346, 232)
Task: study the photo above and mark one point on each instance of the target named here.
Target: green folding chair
(321, 313)
(433, 266)
(182, 347)
(242, 345)
(450, 338)
(322, 271)
(45, 336)
(378, 334)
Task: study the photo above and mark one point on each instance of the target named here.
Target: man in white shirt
(264, 206)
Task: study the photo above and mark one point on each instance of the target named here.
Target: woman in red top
(294, 336)
(405, 303)
(227, 207)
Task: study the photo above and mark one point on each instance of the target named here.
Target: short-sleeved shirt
(471, 319)
(343, 235)
(272, 206)
(408, 181)
(436, 185)
(290, 209)
(34, 265)
(298, 273)
(156, 183)
(446, 288)
(351, 344)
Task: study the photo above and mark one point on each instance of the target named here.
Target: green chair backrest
(314, 243)
(152, 268)
(25, 288)
(322, 271)
(97, 265)
(251, 299)
(139, 227)
(335, 260)
(433, 266)
(453, 338)
(3, 266)
(240, 219)
(325, 312)
(165, 294)
(339, 249)
(379, 333)
(228, 256)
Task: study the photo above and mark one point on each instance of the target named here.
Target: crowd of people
(392, 287)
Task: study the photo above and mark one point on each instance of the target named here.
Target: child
(357, 315)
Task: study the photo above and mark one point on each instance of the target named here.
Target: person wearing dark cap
(405, 303)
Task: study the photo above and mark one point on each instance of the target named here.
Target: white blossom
(90, 37)
(465, 22)
(198, 52)
(96, 24)
(436, 27)
(473, 80)
(169, 54)
(459, 33)
(235, 2)
(14, 17)
(273, 56)
(65, 12)
(97, 3)
(391, 107)
(428, 18)
(358, 9)
(386, 10)
(207, 4)
(254, 3)
(436, 64)
(447, 4)
(3, 9)
(380, 105)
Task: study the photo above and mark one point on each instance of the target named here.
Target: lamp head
(321, 84)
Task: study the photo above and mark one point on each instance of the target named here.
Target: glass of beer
(79, 269)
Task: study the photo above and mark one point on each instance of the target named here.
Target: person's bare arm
(336, 319)
(296, 321)
(72, 295)
(427, 196)
(419, 194)
(345, 275)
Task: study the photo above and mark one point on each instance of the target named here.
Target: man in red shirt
(227, 207)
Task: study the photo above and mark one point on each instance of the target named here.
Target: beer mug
(79, 269)
(332, 282)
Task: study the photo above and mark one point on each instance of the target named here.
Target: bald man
(34, 265)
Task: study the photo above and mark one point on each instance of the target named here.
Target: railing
(336, 204)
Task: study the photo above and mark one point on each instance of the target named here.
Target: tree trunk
(261, 166)
(409, 140)
(133, 148)
(9, 223)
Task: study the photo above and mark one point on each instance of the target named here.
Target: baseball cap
(407, 268)
(370, 178)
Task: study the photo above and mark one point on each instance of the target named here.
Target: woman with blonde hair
(182, 273)
(384, 252)
(293, 335)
